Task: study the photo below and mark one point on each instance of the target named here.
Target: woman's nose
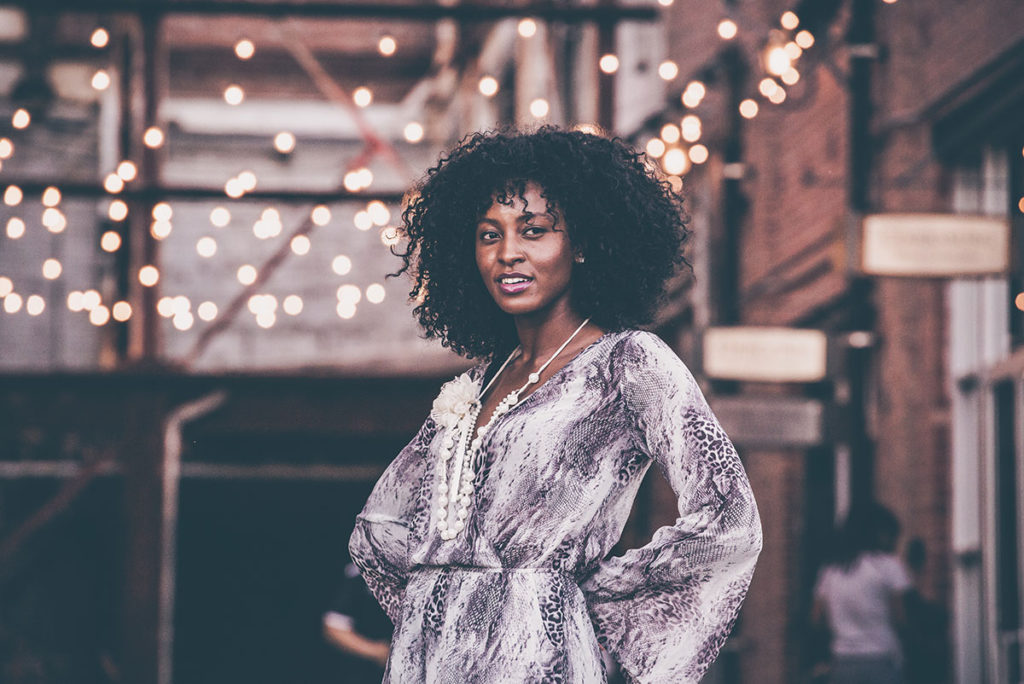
(510, 251)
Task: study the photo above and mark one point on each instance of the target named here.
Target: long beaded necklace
(459, 445)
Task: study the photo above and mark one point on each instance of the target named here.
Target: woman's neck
(540, 337)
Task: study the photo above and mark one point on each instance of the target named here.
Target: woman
(859, 596)
(486, 539)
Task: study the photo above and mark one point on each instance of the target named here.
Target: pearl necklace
(459, 446)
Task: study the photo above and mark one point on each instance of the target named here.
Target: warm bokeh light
(488, 86)
(149, 276)
(91, 299)
(101, 80)
(300, 245)
(789, 20)
(99, 38)
(234, 95)
(52, 269)
(245, 49)
(727, 29)
(675, 162)
(362, 96)
(363, 220)
(793, 50)
(99, 315)
(778, 97)
(804, 39)
(375, 293)
(413, 131)
(12, 303)
(13, 196)
(207, 311)
(110, 241)
(694, 93)
(162, 211)
(292, 305)
(127, 171)
(690, 127)
(206, 246)
(233, 188)
(668, 70)
(183, 321)
(778, 61)
(6, 286)
(539, 108)
(320, 215)
(609, 63)
(748, 109)
(121, 311)
(113, 183)
(35, 305)
(527, 28)
(349, 293)
(54, 220)
(341, 265)
(284, 142)
(670, 133)
(153, 137)
(117, 210)
(6, 148)
(75, 301)
(246, 274)
(379, 212)
(1019, 301)
(165, 307)
(767, 86)
(387, 46)
(51, 197)
(389, 236)
(698, 154)
(247, 180)
(220, 217)
(15, 228)
(21, 118)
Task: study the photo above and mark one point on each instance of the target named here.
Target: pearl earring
(579, 259)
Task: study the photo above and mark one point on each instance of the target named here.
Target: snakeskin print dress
(526, 592)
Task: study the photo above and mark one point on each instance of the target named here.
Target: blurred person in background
(357, 627)
(925, 634)
(859, 597)
(487, 538)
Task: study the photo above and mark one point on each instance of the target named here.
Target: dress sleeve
(665, 609)
(380, 542)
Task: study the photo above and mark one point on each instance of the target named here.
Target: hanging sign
(935, 245)
(771, 421)
(765, 354)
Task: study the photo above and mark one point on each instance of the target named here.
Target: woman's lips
(513, 288)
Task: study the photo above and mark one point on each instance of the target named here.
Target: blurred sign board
(771, 421)
(934, 245)
(765, 354)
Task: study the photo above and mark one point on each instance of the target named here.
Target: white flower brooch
(454, 401)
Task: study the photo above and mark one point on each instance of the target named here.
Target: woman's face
(524, 254)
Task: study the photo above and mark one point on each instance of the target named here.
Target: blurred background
(203, 368)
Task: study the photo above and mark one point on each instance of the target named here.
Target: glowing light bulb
(6, 286)
(793, 51)
(15, 228)
(117, 210)
(363, 220)
(220, 217)
(162, 211)
(292, 305)
(206, 247)
(99, 38)
(362, 96)
(378, 212)
(748, 109)
(488, 86)
(365, 177)
(12, 303)
(13, 196)
(389, 236)
(655, 147)
(21, 118)
(110, 241)
(233, 188)
(804, 39)
(670, 133)
(99, 316)
(778, 61)
(387, 46)
(668, 70)
(183, 321)
(675, 162)
(127, 171)
(375, 293)
(694, 94)
(527, 28)
(54, 220)
(52, 269)
(113, 183)
(413, 132)
(101, 80)
(6, 148)
(791, 76)
(153, 138)
(789, 20)
(248, 180)
(234, 95)
(245, 49)
(284, 142)
(90, 300)
(609, 63)
(246, 274)
(207, 311)
(698, 154)
(727, 29)
(51, 197)
(149, 276)
(341, 265)
(691, 128)
(767, 86)
(349, 293)
(539, 108)
(121, 311)
(75, 301)
(778, 97)
(300, 245)
(35, 305)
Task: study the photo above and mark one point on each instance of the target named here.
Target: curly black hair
(627, 223)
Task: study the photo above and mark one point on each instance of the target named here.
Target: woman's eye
(488, 235)
(535, 230)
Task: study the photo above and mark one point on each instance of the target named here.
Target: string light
(6, 286)
(527, 28)
(165, 307)
(12, 303)
(248, 180)
(51, 197)
(655, 147)
(778, 97)
(15, 228)
(180, 305)
(793, 50)
(791, 76)
(13, 196)
(207, 311)
(694, 94)
(727, 29)
(127, 171)
(99, 316)
(233, 188)
(162, 211)
(748, 109)
(539, 108)
(378, 212)
(321, 215)
(789, 20)
(341, 265)
(101, 80)
(668, 70)
(121, 311)
(220, 217)
(375, 293)
(149, 276)
(363, 220)
(246, 274)
(609, 63)
(113, 183)
(206, 246)
(691, 128)
(675, 162)
(387, 46)
(90, 300)
(99, 38)
(488, 86)
(183, 321)
(21, 119)
(52, 269)
(778, 61)
(54, 220)
(160, 229)
(234, 95)
(153, 138)
(698, 154)
(670, 133)
(349, 293)
(413, 132)
(300, 245)
(804, 39)
(292, 305)
(110, 241)
(767, 86)
(35, 305)
(245, 49)
(75, 301)
(6, 148)
(284, 142)
(357, 180)
(362, 96)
